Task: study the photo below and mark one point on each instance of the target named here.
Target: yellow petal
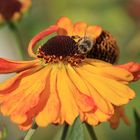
(126, 76)
(102, 104)
(102, 117)
(81, 93)
(97, 62)
(109, 71)
(77, 80)
(69, 109)
(113, 91)
(92, 119)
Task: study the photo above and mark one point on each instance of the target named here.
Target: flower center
(62, 48)
(9, 7)
(66, 48)
(105, 48)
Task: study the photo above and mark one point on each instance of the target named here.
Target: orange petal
(32, 112)
(50, 112)
(11, 84)
(132, 67)
(25, 127)
(18, 118)
(16, 16)
(93, 31)
(8, 66)
(25, 5)
(1, 19)
(80, 29)
(65, 26)
(26, 96)
(40, 36)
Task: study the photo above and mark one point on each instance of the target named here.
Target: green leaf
(31, 131)
(3, 131)
(74, 132)
(137, 121)
(77, 131)
(65, 132)
(91, 131)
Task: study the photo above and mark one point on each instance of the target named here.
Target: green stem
(65, 131)
(91, 131)
(18, 37)
(31, 132)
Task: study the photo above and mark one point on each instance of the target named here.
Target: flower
(65, 80)
(119, 113)
(12, 10)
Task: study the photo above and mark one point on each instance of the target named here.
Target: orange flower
(119, 114)
(11, 10)
(65, 80)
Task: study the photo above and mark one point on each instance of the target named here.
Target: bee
(104, 47)
(85, 45)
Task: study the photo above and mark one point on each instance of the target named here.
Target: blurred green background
(120, 17)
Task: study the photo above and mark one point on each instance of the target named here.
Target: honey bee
(104, 47)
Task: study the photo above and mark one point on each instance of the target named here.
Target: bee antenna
(85, 32)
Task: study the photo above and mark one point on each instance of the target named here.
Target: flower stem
(65, 131)
(18, 37)
(31, 132)
(91, 131)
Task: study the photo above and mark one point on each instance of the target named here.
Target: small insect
(84, 44)
(104, 47)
